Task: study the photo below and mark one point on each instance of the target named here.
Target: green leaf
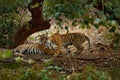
(59, 24)
(34, 6)
(66, 27)
(97, 21)
(59, 19)
(82, 26)
(118, 27)
(96, 25)
(112, 29)
(18, 59)
(74, 23)
(86, 22)
(88, 26)
(113, 22)
(101, 22)
(6, 54)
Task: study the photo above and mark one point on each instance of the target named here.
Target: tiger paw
(55, 55)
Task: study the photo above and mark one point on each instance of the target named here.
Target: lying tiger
(35, 48)
(64, 40)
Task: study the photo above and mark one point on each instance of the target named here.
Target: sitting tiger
(64, 40)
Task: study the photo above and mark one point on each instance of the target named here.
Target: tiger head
(43, 39)
(49, 44)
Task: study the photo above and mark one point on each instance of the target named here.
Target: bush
(116, 41)
(10, 20)
(9, 23)
(42, 73)
(90, 74)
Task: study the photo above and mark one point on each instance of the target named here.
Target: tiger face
(49, 44)
(43, 39)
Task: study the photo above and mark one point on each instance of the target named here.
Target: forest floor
(102, 57)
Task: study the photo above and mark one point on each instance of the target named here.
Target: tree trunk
(36, 24)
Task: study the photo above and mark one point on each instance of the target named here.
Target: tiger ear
(43, 38)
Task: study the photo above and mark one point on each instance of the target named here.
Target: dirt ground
(102, 56)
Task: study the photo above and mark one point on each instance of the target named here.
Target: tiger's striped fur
(64, 40)
(27, 49)
(55, 44)
(35, 48)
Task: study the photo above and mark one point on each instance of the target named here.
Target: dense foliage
(8, 25)
(85, 12)
(81, 12)
(20, 70)
(12, 5)
(10, 19)
(40, 73)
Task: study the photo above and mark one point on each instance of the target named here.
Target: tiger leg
(56, 52)
(61, 50)
(67, 49)
(80, 49)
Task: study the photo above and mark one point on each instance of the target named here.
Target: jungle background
(21, 21)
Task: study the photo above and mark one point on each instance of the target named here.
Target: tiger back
(64, 40)
(36, 48)
(33, 48)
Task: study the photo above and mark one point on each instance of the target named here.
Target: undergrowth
(116, 41)
(45, 71)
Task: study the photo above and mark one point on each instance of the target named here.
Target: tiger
(33, 48)
(64, 40)
(26, 49)
(42, 38)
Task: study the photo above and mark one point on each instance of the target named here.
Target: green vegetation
(12, 5)
(9, 23)
(85, 12)
(16, 71)
(10, 20)
(117, 41)
(23, 70)
(90, 74)
(5, 54)
(80, 12)
(114, 72)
